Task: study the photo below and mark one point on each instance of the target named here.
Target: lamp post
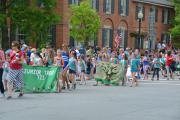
(140, 16)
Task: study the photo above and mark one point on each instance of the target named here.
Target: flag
(117, 40)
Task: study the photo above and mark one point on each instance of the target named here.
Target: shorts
(72, 71)
(4, 76)
(60, 69)
(16, 78)
(134, 70)
(83, 71)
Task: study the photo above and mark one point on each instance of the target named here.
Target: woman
(134, 69)
(113, 59)
(15, 75)
(124, 62)
(49, 57)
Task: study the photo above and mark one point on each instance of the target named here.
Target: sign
(40, 79)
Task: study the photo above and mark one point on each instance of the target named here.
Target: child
(72, 65)
(58, 61)
(83, 69)
(5, 71)
(157, 65)
(93, 70)
(134, 69)
(88, 69)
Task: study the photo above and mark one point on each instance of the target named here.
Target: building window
(95, 4)
(74, 2)
(165, 38)
(138, 9)
(1, 6)
(20, 36)
(165, 16)
(107, 39)
(40, 3)
(109, 6)
(52, 35)
(123, 7)
(141, 44)
(154, 13)
(122, 32)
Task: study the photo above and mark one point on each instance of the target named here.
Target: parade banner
(109, 73)
(40, 79)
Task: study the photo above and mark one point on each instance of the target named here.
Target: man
(2, 59)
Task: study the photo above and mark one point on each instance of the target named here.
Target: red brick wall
(117, 20)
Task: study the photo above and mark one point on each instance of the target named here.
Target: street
(157, 100)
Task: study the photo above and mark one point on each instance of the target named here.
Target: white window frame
(75, 2)
(123, 5)
(107, 41)
(165, 16)
(108, 6)
(94, 4)
(122, 33)
(20, 35)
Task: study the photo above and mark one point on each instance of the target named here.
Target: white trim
(109, 3)
(107, 26)
(156, 4)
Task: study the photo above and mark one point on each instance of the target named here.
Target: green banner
(109, 73)
(40, 79)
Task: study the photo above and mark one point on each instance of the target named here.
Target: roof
(166, 3)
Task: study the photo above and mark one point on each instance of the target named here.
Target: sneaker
(74, 86)
(95, 84)
(63, 88)
(9, 97)
(2, 95)
(152, 79)
(20, 95)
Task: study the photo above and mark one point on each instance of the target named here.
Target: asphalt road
(157, 100)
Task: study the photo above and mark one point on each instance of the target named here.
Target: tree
(33, 17)
(175, 31)
(84, 22)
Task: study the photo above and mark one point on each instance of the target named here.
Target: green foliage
(33, 18)
(176, 29)
(84, 22)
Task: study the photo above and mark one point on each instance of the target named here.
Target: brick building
(120, 16)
